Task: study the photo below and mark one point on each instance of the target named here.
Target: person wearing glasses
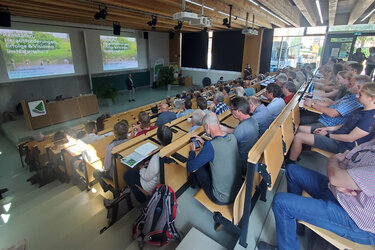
(342, 202)
(339, 138)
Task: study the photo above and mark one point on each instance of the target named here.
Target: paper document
(139, 154)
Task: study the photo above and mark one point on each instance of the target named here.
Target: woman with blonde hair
(336, 92)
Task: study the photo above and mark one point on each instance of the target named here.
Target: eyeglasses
(356, 154)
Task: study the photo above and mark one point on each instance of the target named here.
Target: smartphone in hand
(196, 143)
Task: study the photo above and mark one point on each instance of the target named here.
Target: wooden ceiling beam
(307, 11)
(285, 10)
(332, 7)
(360, 7)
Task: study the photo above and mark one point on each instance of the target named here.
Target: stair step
(80, 236)
(198, 241)
(169, 246)
(79, 213)
(119, 235)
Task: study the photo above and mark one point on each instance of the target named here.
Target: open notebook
(139, 154)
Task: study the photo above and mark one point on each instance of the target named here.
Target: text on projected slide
(119, 52)
(35, 53)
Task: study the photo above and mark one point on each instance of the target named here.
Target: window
(316, 30)
(209, 55)
(289, 31)
(354, 27)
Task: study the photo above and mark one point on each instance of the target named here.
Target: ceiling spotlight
(102, 13)
(178, 27)
(153, 22)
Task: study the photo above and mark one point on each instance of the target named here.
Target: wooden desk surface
(185, 125)
(130, 150)
(231, 121)
(312, 109)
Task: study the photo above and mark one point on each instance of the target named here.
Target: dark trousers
(307, 117)
(99, 176)
(132, 178)
(204, 179)
(368, 69)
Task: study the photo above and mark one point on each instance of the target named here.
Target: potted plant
(165, 76)
(108, 93)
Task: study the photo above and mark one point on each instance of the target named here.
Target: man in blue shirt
(260, 113)
(165, 115)
(246, 132)
(218, 106)
(276, 105)
(339, 112)
(186, 108)
(217, 166)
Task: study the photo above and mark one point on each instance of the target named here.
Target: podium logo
(37, 108)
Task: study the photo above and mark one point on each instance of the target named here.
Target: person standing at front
(131, 87)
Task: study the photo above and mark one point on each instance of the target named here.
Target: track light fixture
(102, 13)
(178, 27)
(227, 22)
(153, 22)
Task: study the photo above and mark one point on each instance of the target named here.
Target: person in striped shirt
(342, 202)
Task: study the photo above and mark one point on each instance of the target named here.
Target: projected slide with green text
(119, 52)
(34, 53)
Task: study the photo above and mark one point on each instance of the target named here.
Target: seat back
(296, 117)
(287, 132)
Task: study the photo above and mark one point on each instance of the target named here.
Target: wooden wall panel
(174, 49)
(251, 52)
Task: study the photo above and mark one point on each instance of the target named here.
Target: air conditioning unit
(250, 32)
(185, 16)
(202, 22)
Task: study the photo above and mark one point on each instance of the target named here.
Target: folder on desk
(139, 154)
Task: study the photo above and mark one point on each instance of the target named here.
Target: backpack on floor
(117, 208)
(156, 223)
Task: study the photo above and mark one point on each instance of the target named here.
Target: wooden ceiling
(135, 14)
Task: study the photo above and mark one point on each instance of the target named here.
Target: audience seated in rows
(196, 119)
(342, 202)
(246, 132)
(218, 106)
(185, 109)
(339, 138)
(121, 135)
(165, 115)
(338, 112)
(343, 79)
(147, 176)
(217, 166)
(260, 113)
(144, 125)
(276, 105)
(281, 79)
(288, 89)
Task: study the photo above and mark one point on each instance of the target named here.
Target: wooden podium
(39, 114)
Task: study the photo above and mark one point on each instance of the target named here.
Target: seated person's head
(281, 79)
(219, 97)
(58, 136)
(100, 123)
(164, 135)
(90, 127)
(221, 78)
(164, 107)
(197, 117)
(187, 103)
(201, 103)
(357, 82)
(211, 123)
(240, 91)
(254, 102)
(81, 134)
(343, 78)
(289, 88)
(226, 89)
(239, 105)
(356, 68)
(221, 88)
(167, 99)
(178, 96)
(144, 119)
(292, 74)
(366, 95)
(121, 129)
(272, 91)
(337, 67)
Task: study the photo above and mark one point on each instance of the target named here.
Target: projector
(250, 32)
(185, 16)
(202, 22)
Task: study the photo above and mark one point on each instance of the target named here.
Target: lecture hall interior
(187, 124)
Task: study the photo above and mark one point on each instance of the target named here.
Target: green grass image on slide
(118, 48)
(33, 48)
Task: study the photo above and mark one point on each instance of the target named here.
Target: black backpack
(156, 223)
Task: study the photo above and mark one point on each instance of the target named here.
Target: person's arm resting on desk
(207, 154)
(325, 110)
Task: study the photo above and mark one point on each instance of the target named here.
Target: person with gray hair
(289, 89)
(218, 106)
(196, 119)
(260, 113)
(281, 79)
(240, 92)
(217, 166)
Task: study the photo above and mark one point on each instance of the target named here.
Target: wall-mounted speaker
(116, 29)
(145, 35)
(4, 19)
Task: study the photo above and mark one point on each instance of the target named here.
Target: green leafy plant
(165, 76)
(106, 92)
